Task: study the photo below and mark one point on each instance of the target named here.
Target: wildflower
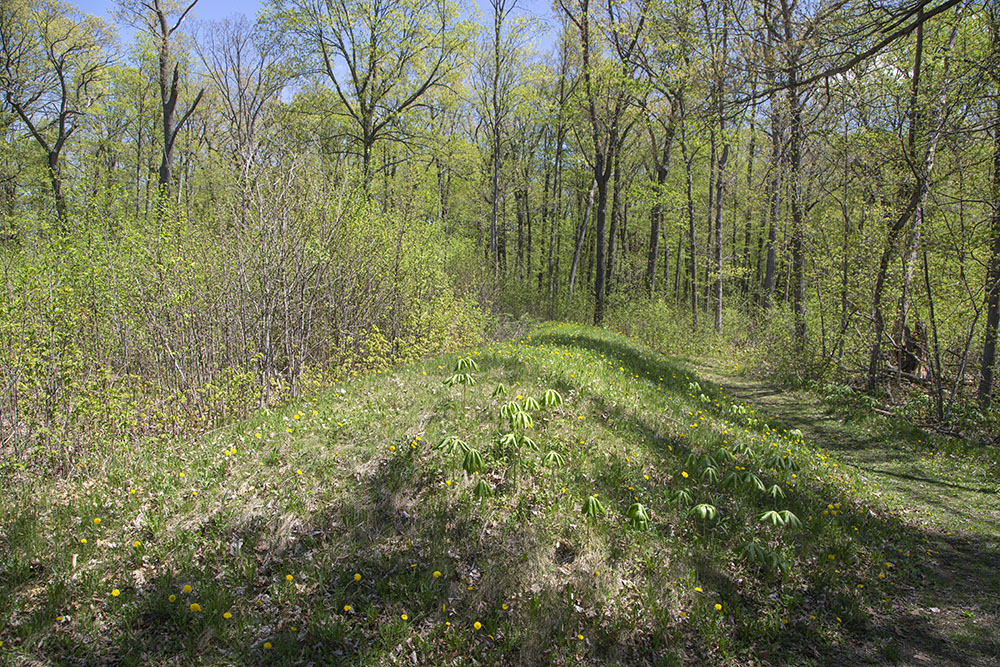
(718, 607)
(187, 588)
(267, 646)
(115, 593)
(83, 540)
(347, 608)
(504, 606)
(227, 616)
(437, 574)
(172, 598)
(137, 544)
(357, 577)
(288, 577)
(195, 607)
(698, 588)
(477, 625)
(404, 617)
(392, 448)
(684, 475)
(580, 637)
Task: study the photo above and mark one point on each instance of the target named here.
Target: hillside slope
(340, 531)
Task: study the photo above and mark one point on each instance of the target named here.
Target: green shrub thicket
(139, 324)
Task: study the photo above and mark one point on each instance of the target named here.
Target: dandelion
(137, 544)
(195, 607)
(697, 588)
(718, 607)
(504, 606)
(227, 616)
(347, 608)
(83, 540)
(392, 448)
(580, 637)
(437, 574)
(267, 646)
(288, 577)
(477, 625)
(404, 617)
(187, 588)
(684, 474)
(97, 521)
(357, 577)
(115, 593)
(172, 598)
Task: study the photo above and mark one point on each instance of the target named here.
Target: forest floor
(945, 491)
(639, 516)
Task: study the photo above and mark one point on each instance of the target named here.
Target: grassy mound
(637, 516)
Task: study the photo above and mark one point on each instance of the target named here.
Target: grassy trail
(944, 491)
(353, 528)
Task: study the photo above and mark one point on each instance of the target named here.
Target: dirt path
(951, 614)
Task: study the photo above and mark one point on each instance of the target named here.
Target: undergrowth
(338, 531)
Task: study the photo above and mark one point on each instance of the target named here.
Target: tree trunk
(692, 233)
(985, 391)
(616, 212)
(774, 196)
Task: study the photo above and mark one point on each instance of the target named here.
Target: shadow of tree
(396, 521)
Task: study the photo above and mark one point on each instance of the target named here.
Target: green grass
(352, 483)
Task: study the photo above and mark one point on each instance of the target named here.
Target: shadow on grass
(395, 523)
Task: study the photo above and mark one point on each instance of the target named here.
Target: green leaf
(638, 516)
(552, 398)
(553, 459)
(592, 507)
(706, 511)
(473, 462)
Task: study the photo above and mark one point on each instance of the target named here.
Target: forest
(216, 214)
(204, 222)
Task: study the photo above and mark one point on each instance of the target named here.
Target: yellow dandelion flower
(97, 521)
(580, 637)
(227, 616)
(115, 593)
(187, 588)
(267, 646)
(347, 608)
(404, 617)
(172, 598)
(195, 607)
(437, 574)
(718, 607)
(504, 606)
(684, 475)
(83, 540)
(698, 588)
(288, 577)
(357, 577)
(477, 625)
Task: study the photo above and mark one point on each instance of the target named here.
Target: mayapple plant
(638, 516)
(462, 376)
(592, 507)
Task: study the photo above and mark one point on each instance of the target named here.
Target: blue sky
(218, 9)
